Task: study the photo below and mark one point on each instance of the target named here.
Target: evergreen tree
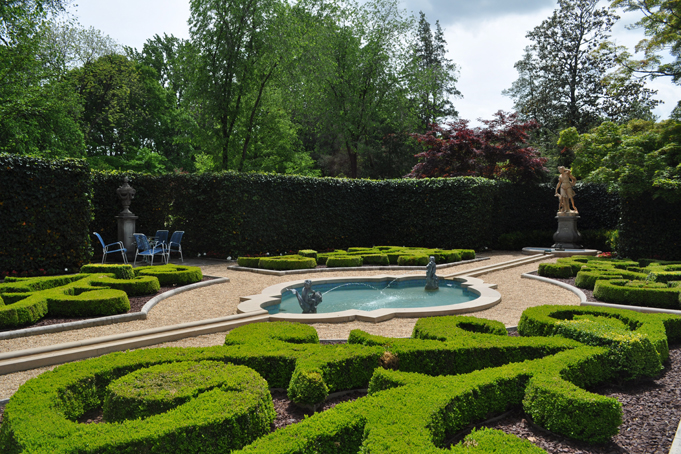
(435, 75)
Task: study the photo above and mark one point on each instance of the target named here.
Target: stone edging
(110, 320)
(487, 297)
(676, 443)
(584, 302)
(354, 268)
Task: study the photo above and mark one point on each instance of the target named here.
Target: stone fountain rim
(487, 297)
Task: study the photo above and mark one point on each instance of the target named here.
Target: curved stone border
(110, 320)
(676, 443)
(558, 252)
(353, 268)
(272, 295)
(572, 288)
(584, 302)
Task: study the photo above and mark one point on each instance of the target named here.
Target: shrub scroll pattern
(452, 372)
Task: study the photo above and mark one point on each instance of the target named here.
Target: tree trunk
(352, 155)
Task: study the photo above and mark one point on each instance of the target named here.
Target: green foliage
(287, 262)
(308, 253)
(618, 291)
(559, 270)
(27, 300)
(516, 241)
(249, 262)
(45, 218)
(412, 260)
(570, 75)
(168, 275)
(486, 440)
(636, 158)
(120, 271)
(344, 261)
(455, 371)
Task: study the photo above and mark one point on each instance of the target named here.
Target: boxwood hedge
(453, 372)
(27, 300)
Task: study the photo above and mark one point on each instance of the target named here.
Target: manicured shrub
(119, 271)
(45, 215)
(559, 270)
(344, 261)
(617, 291)
(460, 371)
(375, 259)
(141, 285)
(168, 275)
(413, 260)
(287, 262)
(308, 253)
(249, 262)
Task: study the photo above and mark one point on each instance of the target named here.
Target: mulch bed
(136, 305)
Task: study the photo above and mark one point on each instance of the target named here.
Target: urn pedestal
(567, 235)
(126, 227)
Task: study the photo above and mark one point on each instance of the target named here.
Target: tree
(36, 112)
(67, 45)
(124, 108)
(661, 22)
(238, 49)
(434, 76)
(499, 150)
(569, 75)
(352, 80)
(632, 159)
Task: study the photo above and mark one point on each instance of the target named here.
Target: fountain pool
(373, 298)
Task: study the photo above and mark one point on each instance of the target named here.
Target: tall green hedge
(45, 215)
(232, 214)
(649, 228)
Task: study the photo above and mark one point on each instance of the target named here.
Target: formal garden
(423, 393)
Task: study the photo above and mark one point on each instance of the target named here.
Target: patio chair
(161, 238)
(146, 250)
(174, 244)
(109, 248)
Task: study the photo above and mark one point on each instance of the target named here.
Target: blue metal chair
(174, 244)
(161, 238)
(108, 248)
(146, 250)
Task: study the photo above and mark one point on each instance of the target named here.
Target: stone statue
(431, 278)
(308, 298)
(126, 193)
(566, 183)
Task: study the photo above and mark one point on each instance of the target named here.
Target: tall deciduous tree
(434, 76)
(569, 76)
(36, 113)
(239, 47)
(353, 77)
(499, 150)
(661, 22)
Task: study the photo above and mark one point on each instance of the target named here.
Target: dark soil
(136, 305)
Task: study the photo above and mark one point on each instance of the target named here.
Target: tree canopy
(498, 150)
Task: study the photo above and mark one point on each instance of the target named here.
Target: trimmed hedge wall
(45, 211)
(232, 214)
(649, 228)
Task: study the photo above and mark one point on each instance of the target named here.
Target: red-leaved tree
(498, 150)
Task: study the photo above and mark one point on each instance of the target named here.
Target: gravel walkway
(222, 299)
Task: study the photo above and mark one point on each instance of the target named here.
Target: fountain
(371, 298)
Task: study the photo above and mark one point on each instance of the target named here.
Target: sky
(485, 38)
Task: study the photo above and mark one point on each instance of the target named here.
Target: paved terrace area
(222, 300)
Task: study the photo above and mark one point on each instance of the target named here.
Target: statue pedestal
(567, 235)
(126, 227)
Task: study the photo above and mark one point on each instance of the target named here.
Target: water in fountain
(377, 295)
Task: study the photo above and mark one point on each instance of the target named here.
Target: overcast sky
(484, 38)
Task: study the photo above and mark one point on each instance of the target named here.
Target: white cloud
(132, 22)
